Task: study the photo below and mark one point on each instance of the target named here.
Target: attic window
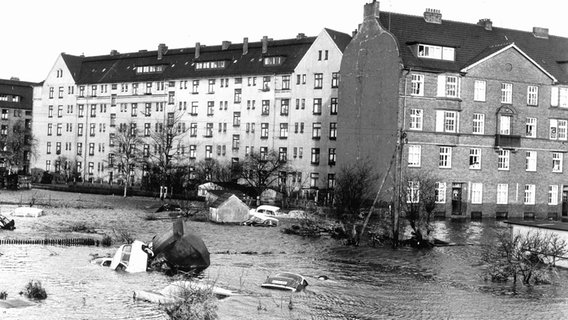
(273, 61)
(221, 64)
(436, 52)
(150, 69)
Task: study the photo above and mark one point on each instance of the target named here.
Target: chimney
(540, 32)
(486, 23)
(245, 45)
(14, 78)
(162, 49)
(353, 33)
(114, 52)
(264, 44)
(197, 48)
(433, 16)
(301, 36)
(371, 10)
(225, 45)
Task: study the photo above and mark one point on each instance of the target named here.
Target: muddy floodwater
(364, 282)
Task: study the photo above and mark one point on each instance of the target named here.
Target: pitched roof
(22, 89)
(180, 63)
(341, 39)
(471, 42)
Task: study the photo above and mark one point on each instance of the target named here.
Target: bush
(107, 241)
(34, 290)
(3, 295)
(195, 303)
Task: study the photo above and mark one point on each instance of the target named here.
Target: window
(92, 129)
(194, 105)
(286, 82)
(314, 177)
(332, 106)
(79, 148)
(266, 83)
(331, 181)
(193, 129)
(148, 87)
(506, 93)
(237, 98)
(448, 86)
(274, 61)
(436, 52)
(48, 148)
(446, 121)
(147, 129)
(445, 158)
(283, 154)
(316, 130)
(478, 123)
(195, 87)
(479, 90)
(80, 129)
(415, 119)
(171, 97)
(504, 125)
(502, 193)
(192, 151)
(503, 160)
(219, 64)
(563, 97)
(557, 158)
(529, 194)
(236, 142)
(264, 130)
(91, 149)
(417, 85)
(47, 165)
(476, 193)
(209, 129)
(531, 128)
(300, 152)
(440, 192)
(51, 91)
(332, 130)
(134, 110)
(265, 107)
(413, 192)
(113, 120)
(49, 128)
(283, 130)
(49, 113)
(208, 151)
(558, 129)
(553, 195)
(414, 155)
(475, 158)
(59, 128)
(335, 80)
(60, 92)
(530, 162)
(211, 86)
(236, 118)
(532, 95)
(263, 153)
(210, 107)
(318, 80)
(317, 106)
(315, 159)
(332, 156)
(284, 107)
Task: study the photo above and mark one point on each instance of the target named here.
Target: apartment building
(16, 101)
(233, 99)
(482, 108)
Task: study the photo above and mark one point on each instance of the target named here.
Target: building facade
(230, 100)
(16, 101)
(484, 109)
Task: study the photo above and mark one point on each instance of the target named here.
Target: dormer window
(150, 69)
(273, 61)
(436, 52)
(221, 64)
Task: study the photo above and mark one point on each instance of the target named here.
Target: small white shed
(228, 208)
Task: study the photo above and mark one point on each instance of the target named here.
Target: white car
(267, 210)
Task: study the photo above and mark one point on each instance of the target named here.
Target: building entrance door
(565, 202)
(457, 199)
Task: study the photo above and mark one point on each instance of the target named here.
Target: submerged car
(131, 257)
(258, 219)
(6, 223)
(285, 281)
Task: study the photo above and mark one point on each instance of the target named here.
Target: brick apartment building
(483, 108)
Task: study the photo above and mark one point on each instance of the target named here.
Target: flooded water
(364, 282)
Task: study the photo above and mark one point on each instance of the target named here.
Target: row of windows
(449, 86)
(502, 194)
(503, 159)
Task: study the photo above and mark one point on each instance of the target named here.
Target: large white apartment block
(233, 99)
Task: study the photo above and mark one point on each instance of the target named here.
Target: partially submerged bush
(196, 303)
(34, 290)
(81, 227)
(150, 217)
(123, 235)
(3, 295)
(107, 241)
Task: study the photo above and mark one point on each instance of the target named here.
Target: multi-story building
(16, 101)
(482, 108)
(233, 99)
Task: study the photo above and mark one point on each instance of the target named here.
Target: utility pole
(401, 138)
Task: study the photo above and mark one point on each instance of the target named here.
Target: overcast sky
(34, 32)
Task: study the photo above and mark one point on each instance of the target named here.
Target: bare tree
(355, 187)
(213, 170)
(167, 141)
(418, 203)
(18, 147)
(126, 155)
(261, 169)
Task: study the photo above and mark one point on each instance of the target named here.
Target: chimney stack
(371, 10)
(162, 49)
(353, 33)
(225, 45)
(540, 32)
(197, 48)
(114, 52)
(264, 44)
(14, 78)
(433, 16)
(486, 23)
(301, 35)
(245, 45)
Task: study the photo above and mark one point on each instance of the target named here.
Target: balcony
(507, 141)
